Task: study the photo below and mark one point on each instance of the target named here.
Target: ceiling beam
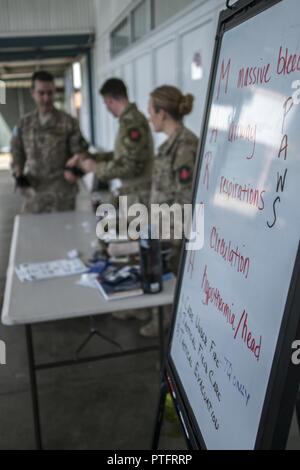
(41, 54)
(44, 41)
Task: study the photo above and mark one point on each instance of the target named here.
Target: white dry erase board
(237, 307)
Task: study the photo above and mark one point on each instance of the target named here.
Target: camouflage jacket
(173, 168)
(41, 151)
(132, 158)
(172, 178)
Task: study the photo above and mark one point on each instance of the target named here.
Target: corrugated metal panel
(28, 15)
(71, 14)
(46, 16)
(4, 16)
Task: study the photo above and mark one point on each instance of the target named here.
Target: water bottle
(151, 262)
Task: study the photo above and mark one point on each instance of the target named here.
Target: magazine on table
(116, 283)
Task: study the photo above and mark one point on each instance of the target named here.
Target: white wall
(85, 107)
(46, 16)
(68, 79)
(164, 56)
(106, 13)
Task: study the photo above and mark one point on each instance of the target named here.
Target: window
(143, 17)
(141, 20)
(120, 37)
(164, 9)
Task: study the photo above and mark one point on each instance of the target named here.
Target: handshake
(75, 170)
(78, 166)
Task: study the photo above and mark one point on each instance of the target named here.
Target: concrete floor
(103, 405)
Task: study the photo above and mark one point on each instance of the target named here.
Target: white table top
(47, 237)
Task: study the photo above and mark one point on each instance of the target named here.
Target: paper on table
(88, 280)
(50, 269)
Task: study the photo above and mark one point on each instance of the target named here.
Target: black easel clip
(231, 7)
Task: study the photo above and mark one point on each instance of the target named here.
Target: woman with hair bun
(173, 165)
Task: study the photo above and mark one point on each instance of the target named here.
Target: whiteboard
(233, 291)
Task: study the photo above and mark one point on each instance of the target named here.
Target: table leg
(33, 388)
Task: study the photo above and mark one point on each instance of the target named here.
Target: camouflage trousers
(37, 202)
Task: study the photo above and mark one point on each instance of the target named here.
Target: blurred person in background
(42, 143)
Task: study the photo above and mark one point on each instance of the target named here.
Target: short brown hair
(43, 76)
(115, 88)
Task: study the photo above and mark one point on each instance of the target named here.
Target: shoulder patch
(134, 135)
(185, 174)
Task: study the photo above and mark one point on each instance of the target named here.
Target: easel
(165, 388)
(280, 395)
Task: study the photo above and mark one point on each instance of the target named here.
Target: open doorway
(21, 56)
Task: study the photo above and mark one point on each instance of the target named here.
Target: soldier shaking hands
(41, 145)
(131, 160)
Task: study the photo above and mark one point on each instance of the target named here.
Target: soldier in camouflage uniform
(41, 145)
(173, 166)
(174, 163)
(131, 160)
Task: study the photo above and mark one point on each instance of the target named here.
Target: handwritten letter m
(2, 92)
(2, 353)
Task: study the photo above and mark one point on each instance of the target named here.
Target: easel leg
(159, 416)
(298, 409)
(161, 336)
(33, 388)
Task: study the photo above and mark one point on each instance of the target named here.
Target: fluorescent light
(77, 76)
